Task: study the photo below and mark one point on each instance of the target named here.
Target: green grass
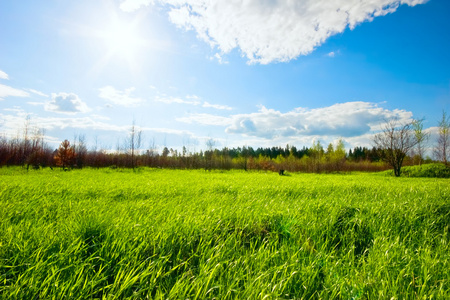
(174, 234)
(434, 170)
(428, 170)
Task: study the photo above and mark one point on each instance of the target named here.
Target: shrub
(428, 170)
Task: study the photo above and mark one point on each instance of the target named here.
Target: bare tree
(394, 142)
(209, 153)
(37, 155)
(25, 145)
(134, 142)
(421, 138)
(80, 148)
(442, 149)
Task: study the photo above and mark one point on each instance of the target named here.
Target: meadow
(178, 234)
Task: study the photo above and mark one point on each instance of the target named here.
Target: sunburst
(122, 39)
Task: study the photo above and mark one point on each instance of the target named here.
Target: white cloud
(333, 53)
(87, 123)
(176, 100)
(17, 116)
(190, 100)
(33, 103)
(132, 5)
(206, 119)
(169, 131)
(109, 132)
(268, 31)
(350, 120)
(39, 93)
(216, 106)
(3, 75)
(7, 91)
(122, 98)
(219, 59)
(66, 103)
(15, 121)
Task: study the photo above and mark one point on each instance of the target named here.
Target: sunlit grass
(177, 234)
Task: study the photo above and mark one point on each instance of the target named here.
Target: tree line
(35, 153)
(394, 146)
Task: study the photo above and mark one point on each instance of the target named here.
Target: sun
(122, 39)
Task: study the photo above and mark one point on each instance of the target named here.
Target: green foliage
(427, 170)
(172, 234)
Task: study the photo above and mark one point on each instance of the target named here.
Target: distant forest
(396, 145)
(33, 152)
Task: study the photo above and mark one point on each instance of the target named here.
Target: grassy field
(174, 234)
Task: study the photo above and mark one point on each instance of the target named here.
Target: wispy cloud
(3, 75)
(122, 98)
(268, 31)
(219, 58)
(36, 92)
(217, 106)
(15, 119)
(206, 119)
(34, 103)
(176, 100)
(190, 100)
(7, 91)
(66, 103)
(169, 131)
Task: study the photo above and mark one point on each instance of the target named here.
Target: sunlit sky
(242, 73)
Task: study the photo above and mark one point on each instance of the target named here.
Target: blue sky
(254, 73)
